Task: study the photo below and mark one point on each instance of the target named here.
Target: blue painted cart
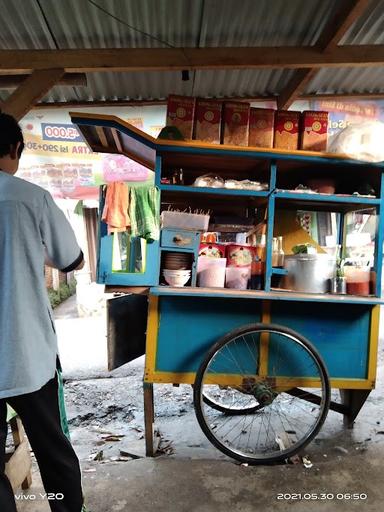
(263, 362)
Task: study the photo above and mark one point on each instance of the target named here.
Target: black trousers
(58, 463)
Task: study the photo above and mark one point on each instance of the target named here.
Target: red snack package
(261, 125)
(208, 120)
(236, 123)
(181, 113)
(286, 129)
(314, 130)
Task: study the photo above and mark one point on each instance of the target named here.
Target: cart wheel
(275, 372)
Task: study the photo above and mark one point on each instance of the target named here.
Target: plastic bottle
(275, 252)
(280, 251)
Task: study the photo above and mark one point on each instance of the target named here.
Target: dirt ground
(105, 413)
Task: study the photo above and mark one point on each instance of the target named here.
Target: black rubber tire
(197, 393)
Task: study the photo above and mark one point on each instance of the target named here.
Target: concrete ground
(105, 412)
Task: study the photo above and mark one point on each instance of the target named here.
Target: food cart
(262, 363)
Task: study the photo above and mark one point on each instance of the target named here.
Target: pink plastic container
(211, 272)
(237, 277)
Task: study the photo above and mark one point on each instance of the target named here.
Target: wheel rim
(230, 401)
(286, 416)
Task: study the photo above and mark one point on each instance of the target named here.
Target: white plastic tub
(211, 272)
(184, 220)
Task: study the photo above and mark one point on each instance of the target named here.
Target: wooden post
(31, 90)
(149, 418)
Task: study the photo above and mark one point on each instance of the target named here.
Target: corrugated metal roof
(79, 24)
(347, 80)
(244, 83)
(263, 23)
(369, 28)
(23, 26)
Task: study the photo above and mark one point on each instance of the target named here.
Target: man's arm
(50, 263)
(61, 248)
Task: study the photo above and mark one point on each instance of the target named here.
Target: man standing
(32, 230)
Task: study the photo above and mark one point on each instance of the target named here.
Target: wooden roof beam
(68, 79)
(171, 59)
(348, 12)
(30, 91)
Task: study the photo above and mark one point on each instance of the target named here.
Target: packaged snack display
(212, 250)
(261, 125)
(208, 121)
(181, 114)
(236, 123)
(314, 130)
(286, 129)
(239, 255)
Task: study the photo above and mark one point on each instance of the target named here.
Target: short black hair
(10, 134)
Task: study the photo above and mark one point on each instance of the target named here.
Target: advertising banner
(57, 158)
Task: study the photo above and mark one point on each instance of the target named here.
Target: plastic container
(211, 272)
(191, 221)
(358, 280)
(237, 278)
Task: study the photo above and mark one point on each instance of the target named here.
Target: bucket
(309, 273)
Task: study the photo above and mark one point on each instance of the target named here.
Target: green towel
(10, 413)
(144, 212)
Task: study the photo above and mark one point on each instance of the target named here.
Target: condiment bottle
(275, 252)
(280, 251)
(260, 248)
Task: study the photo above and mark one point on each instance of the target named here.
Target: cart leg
(354, 400)
(149, 418)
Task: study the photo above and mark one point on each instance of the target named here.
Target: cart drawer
(176, 238)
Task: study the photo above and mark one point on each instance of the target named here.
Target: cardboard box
(314, 130)
(236, 123)
(261, 125)
(287, 124)
(181, 113)
(208, 120)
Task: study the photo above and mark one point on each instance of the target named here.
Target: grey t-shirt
(31, 227)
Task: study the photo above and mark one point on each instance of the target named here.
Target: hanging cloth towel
(144, 212)
(115, 212)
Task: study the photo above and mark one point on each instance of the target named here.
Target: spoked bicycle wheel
(277, 385)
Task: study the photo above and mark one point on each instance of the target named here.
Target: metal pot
(309, 273)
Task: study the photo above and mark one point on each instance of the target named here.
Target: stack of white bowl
(176, 278)
(176, 268)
